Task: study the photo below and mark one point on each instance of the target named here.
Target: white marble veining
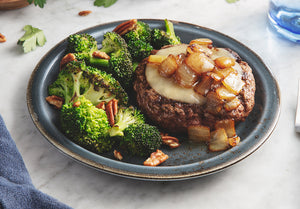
(269, 178)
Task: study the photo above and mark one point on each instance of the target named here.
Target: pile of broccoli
(119, 64)
(88, 126)
(141, 40)
(123, 52)
(76, 79)
(162, 38)
(98, 75)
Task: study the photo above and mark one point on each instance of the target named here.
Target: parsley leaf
(105, 3)
(31, 38)
(39, 3)
(231, 1)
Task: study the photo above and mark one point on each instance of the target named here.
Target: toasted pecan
(125, 27)
(156, 158)
(101, 55)
(118, 155)
(110, 113)
(84, 12)
(66, 59)
(56, 101)
(170, 141)
(2, 38)
(101, 105)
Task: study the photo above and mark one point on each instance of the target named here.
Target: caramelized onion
(232, 105)
(233, 83)
(156, 59)
(228, 125)
(204, 85)
(233, 141)
(213, 104)
(185, 76)
(224, 62)
(201, 41)
(214, 76)
(218, 141)
(198, 133)
(224, 72)
(199, 48)
(199, 62)
(168, 66)
(224, 93)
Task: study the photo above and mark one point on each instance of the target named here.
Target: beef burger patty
(210, 95)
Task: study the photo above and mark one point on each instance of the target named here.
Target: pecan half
(2, 38)
(101, 105)
(111, 109)
(101, 55)
(84, 13)
(118, 155)
(76, 104)
(125, 27)
(66, 59)
(110, 112)
(156, 158)
(170, 141)
(56, 101)
(115, 106)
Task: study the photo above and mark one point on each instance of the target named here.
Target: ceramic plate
(187, 161)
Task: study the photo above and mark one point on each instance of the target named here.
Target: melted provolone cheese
(170, 89)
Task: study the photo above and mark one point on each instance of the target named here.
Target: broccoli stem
(99, 62)
(170, 31)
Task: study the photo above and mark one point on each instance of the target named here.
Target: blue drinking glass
(284, 16)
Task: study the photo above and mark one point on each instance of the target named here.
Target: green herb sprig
(98, 3)
(33, 37)
(105, 3)
(39, 3)
(231, 1)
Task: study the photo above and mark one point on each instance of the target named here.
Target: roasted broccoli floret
(68, 81)
(120, 62)
(86, 125)
(83, 46)
(81, 43)
(124, 118)
(76, 80)
(138, 41)
(162, 38)
(140, 139)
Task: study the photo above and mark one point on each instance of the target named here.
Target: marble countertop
(269, 178)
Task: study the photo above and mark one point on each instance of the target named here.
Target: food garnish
(156, 158)
(84, 12)
(232, 1)
(104, 3)
(33, 37)
(2, 38)
(40, 3)
(99, 3)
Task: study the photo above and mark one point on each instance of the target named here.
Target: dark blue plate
(187, 161)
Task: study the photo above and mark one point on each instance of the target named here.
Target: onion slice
(199, 62)
(218, 141)
(233, 83)
(185, 77)
(198, 133)
(227, 125)
(168, 66)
